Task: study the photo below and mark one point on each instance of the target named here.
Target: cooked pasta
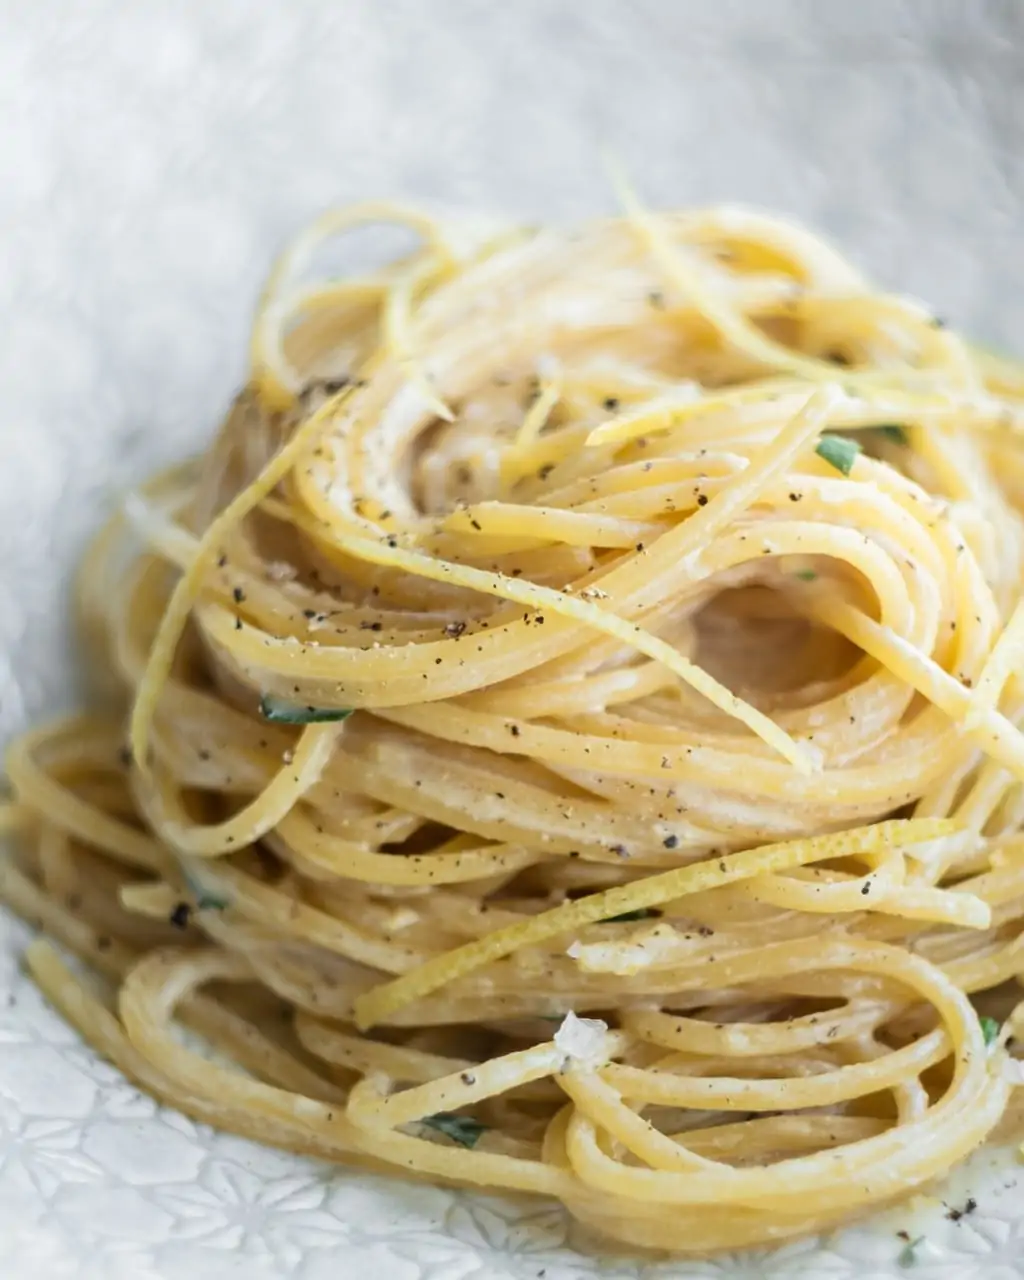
(566, 733)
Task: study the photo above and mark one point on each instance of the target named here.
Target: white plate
(98, 1181)
(154, 155)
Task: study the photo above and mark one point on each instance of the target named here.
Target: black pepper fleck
(180, 914)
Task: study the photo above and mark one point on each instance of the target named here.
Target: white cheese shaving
(582, 1039)
(1012, 1070)
(402, 918)
(646, 947)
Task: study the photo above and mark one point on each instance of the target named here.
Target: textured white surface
(153, 156)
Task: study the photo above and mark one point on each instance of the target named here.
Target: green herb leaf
(893, 432)
(281, 712)
(989, 1029)
(461, 1129)
(907, 1256)
(207, 899)
(641, 913)
(838, 451)
(805, 575)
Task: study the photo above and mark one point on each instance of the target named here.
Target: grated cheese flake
(582, 1039)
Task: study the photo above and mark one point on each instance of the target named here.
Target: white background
(154, 155)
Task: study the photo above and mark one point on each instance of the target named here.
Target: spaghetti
(568, 733)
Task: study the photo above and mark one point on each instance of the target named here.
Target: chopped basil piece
(281, 712)
(908, 1254)
(897, 434)
(805, 575)
(461, 1129)
(641, 913)
(989, 1029)
(838, 451)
